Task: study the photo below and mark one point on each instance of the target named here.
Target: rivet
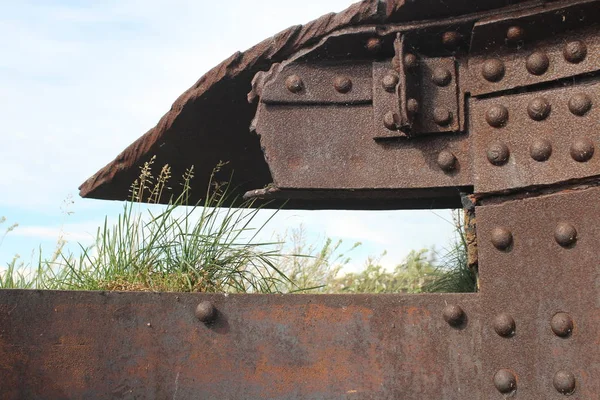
(580, 104)
(501, 238)
(515, 33)
(294, 83)
(412, 106)
(389, 81)
(505, 381)
(540, 150)
(565, 234)
(575, 52)
(493, 70)
(562, 324)
(498, 153)
(442, 116)
(582, 150)
(441, 76)
(373, 45)
(410, 60)
(496, 116)
(454, 315)
(564, 382)
(206, 312)
(342, 84)
(539, 109)
(504, 325)
(537, 63)
(390, 121)
(446, 161)
(451, 39)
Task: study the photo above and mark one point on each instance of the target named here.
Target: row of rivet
(537, 63)
(582, 150)
(538, 109)
(295, 84)
(505, 380)
(450, 39)
(565, 235)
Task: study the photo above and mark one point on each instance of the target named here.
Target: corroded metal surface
(209, 122)
(56, 345)
(539, 264)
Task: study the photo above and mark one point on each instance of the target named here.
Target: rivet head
(582, 150)
(565, 234)
(540, 150)
(410, 60)
(504, 325)
(412, 107)
(505, 381)
(564, 382)
(575, 52)
(562, 324)
(206, 312)
(501, 238)
(442, 116)
(451, 39)
(515, 33)
(497, 116)
(390, 81)
(373, 45)
(342, 84)
(390, 121)
(537, 63)
(580, 104)
(493, 70)
(539, 109)
(454, 315)
(498, 153)
(294, 84)
(446, 161)
(441, 76)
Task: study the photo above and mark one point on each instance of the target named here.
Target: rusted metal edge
(184, 131)
(53, 345)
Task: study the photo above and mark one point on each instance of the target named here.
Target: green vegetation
(212, 248)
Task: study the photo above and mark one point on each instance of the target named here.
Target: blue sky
(81, 80)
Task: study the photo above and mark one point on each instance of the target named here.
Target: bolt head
(441, 76)
(540, 150)
(294, 84)
(564, 382)
(575, 51)
(504, 325)
(343, 84)
(493, 70)
(580, 104)
(206, 312)
(451, 39)
(501, 238)
(412, 107)
(390, 81)
(582, 150)
(373, 45)
(539, 109)
(505, 381)
(537, 63)
(446, 161)
(442, 116)
(410, 61)
(454, 315)
(391, 121)
(565, 234)
(497, 116)
(498, 153)
(515, 33)
(562, 324)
